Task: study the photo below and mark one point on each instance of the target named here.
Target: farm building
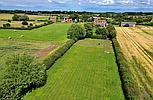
(53, 19)
(128, 24)
(102, 23)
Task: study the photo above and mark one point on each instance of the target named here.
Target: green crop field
(86, 72)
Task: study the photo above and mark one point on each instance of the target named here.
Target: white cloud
(20, 5)
(50, 1)
(104, 2)
(127, 2)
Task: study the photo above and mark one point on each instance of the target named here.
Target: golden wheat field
(137, 46)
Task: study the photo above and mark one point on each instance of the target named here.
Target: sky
(79, 5)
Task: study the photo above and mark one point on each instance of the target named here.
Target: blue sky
(79, 5)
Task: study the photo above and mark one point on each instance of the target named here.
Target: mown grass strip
(86, 72)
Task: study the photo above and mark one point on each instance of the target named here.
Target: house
(53, 19)
(64, 19)
(102, 23)
(128, 24)
(67, 20)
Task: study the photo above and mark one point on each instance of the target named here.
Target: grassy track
(86, 72)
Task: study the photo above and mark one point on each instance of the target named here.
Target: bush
(16, 17)
(89, 29)
(9, 20)
(22, 74)
(76, 32)
(51, 58)
(20, 18)
(24, 23)
(102, 31)
(111, 31)
(31, 24)
(24, 18)
(7, 25)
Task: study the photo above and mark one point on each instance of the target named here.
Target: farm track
(134, 47)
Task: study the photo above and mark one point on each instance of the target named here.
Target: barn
(128, 24)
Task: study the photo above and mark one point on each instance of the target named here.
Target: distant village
(97, 21)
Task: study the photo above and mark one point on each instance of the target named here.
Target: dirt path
(134, 43)
(46, 51)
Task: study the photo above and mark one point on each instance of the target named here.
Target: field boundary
(54, 55)
(129, 86)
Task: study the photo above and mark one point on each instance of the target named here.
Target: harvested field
(18, 24)
(9, 16)
(137, 46)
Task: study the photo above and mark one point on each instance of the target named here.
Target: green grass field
(86, 72)
(54, 32)
(32, 42)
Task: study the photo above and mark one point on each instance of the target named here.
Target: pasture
(86, 72)
(38, 42)
(55, 32)
(137, 46)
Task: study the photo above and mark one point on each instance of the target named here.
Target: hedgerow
(129, 85)
(51, 58)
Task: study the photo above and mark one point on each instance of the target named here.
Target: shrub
(9, 20)
(16, 17)
(111, 31)
(24, 23)
(76, 32)
(89, 29)
(31, 24)
(20, 18)
(24, 18)
(22, 74)
(102, 31)
(7, 25)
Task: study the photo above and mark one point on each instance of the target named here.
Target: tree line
(78, 32)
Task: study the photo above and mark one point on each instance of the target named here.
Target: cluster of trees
(23, 73)
(77, 32)
(108, 32)
(7, 25)
(20, 18)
